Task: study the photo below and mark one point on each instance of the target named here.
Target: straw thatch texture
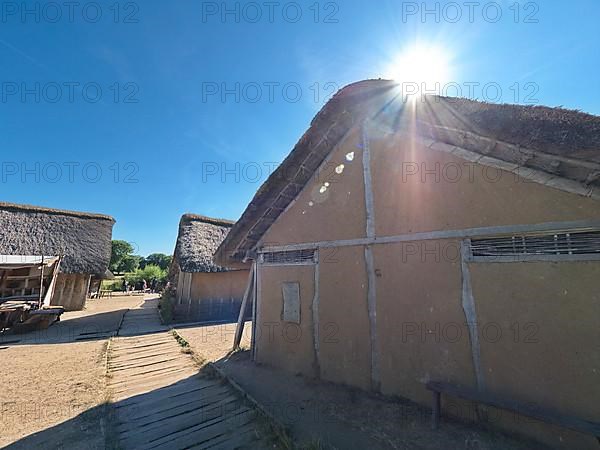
(555, 131)
(83, 239)
(197, 241)
(563, 143)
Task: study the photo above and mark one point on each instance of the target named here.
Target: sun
(426, 65)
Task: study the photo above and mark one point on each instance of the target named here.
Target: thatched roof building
(552, 146)
(393, 221)
(205, 290)
(83, 239)
(198, 239)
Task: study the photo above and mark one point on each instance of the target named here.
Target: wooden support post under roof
(52, 286)
(41, 297)
(240, 324)
(3, 281)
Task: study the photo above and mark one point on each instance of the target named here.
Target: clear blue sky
(158, 131)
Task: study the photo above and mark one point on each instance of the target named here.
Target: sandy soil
(53, 381)
(213, 342)
(109, 304)
(47, 385)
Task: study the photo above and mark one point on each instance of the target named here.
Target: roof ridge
(190, 217)
(46, 210)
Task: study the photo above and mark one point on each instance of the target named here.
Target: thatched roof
(83, 239)
(198, 238)
(564, 144)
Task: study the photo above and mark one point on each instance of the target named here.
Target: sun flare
(427, 66)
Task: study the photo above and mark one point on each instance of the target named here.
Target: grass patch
(317, 444)
(187, 349)
(272, 434)
(180, 339)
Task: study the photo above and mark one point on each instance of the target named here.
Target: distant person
(144, 286)
(125, 286)
(153, 284)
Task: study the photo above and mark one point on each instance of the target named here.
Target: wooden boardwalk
(162, 401)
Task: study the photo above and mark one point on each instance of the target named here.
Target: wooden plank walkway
(162, 401)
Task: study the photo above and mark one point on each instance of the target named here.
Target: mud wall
(421, 330)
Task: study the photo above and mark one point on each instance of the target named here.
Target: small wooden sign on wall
(291, 302)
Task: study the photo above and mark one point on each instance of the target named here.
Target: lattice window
(561, 243)
(289, 257)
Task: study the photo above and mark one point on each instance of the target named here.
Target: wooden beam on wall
(256, 310)
(369, 263)
(468, 305)
(315, 319)
(369, 203)
(580, 225)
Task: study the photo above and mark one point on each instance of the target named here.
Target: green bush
(147, 273)
(165, 305)
(112, 285)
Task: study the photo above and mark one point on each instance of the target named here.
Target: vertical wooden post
(3, 282)
(41, 296)
(468, 305)
(315, 318)
(189, 276)
(255, 299)
(51, 288)
(241, 319)
(369, 262)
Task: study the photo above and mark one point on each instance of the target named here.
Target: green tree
(158, 259)
(130, 263)
(120, 251)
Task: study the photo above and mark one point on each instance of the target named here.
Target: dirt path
(213, 342)
(160, 399)
(53, 381)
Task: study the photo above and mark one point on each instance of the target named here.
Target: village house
(405, 241)
(205, 291)
(32, 235)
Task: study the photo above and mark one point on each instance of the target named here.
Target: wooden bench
(106, 294)
(486, 398)
(48, 311)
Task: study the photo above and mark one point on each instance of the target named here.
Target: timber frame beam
(369, 263)
(585, 225)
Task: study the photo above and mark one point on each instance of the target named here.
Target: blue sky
(151, 109)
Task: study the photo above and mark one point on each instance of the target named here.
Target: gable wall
(450, 193)
(420, 283)
(338, 213)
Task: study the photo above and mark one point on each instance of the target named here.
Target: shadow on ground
(80, 326)
(162, 418)
(96, 326)
(339, 417)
